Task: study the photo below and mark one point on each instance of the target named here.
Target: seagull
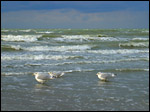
(42, 77)
(105, 76)
(56, 74)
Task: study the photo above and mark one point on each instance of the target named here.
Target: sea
(81, 54)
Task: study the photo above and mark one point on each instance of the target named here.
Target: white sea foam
(36, 57)
(17, 47)
(12, 73)
(4, 30)
(78, 48)
(27, 30)
(134, 44)
(133, 69)
(146, 69)
(46, 32)
(145, 31)
(119, 51)
(140, 39)
(107, 39)
(26, 38)
(79, 70)
(75, 36)
(15, 73)
(55, 48)
(72, 38)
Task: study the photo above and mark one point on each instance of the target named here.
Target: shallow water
(81, 53)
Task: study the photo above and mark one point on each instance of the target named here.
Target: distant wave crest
(20, 38)
(135, 44)
(38, 57)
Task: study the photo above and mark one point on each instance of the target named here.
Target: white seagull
(42, 77)
(105, 76)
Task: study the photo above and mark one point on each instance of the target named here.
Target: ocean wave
(12, 66)
(26, 30)
(134, 44)
(105, 61)
(23, 38)
(54, 48)
(72, 38)
(79, 70)
(35, 64)
(88, 62)
(10, 48)
(13, 73)
(145, 31)
(4, 31)
(45, 32)
(140, 39)
(38, 57)
(49, 36)
(77, 38)
(132, 69)
(72, 48)
(118, 51)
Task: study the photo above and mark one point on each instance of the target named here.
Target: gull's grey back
(43, 76)
(107, 75)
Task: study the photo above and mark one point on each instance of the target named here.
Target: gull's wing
(43, 76)
(59, 74)
(56, 74)
(106, 75)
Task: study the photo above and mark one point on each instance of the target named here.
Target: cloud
(64, 18)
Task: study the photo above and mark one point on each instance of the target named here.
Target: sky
(75, 14)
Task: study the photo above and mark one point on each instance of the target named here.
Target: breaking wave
(80, 38)
(118, 51)
(10, 48)
(140, 39)
(4, 31)
(134, 44)
(48, 48)
(38, 57)
(26, 30)
(14, 73)
(132, 69)
(45, 32)
(72, 48)
(20, 38)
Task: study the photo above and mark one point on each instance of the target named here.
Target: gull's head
(98, 73)
(50, 73)
(36, 73)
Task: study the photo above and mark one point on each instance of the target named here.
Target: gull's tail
(62, 74)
